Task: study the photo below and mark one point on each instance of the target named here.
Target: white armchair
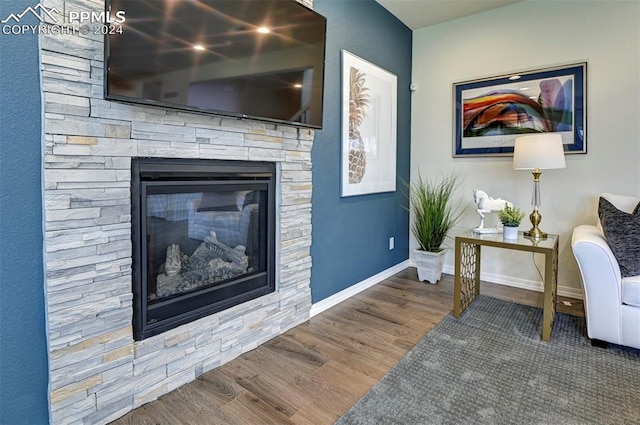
(611, 302)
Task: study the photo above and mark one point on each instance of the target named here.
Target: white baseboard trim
(349, 292)
(515, 282)
(531, 285)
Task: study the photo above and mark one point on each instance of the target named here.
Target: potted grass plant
(510, 217)
(434, 212)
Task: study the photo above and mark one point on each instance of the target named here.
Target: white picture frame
(369, 111)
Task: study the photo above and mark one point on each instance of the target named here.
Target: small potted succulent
(510, 217)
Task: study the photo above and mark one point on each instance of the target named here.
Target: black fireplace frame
(150, 320)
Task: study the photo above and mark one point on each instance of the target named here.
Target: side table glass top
(523, 242)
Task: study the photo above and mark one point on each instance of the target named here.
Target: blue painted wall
(23, 352)
(351, 235)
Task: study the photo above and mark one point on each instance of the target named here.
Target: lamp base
(535, 231)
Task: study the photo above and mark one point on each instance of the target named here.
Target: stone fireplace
(98, 370)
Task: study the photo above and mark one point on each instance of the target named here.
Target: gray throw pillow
(622, 232)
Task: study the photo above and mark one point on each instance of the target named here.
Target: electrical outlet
(392, 243)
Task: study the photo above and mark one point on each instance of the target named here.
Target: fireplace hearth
(203, 234)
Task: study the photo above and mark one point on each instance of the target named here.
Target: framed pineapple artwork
(369, 121)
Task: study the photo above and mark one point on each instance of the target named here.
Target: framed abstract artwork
(369, 121)
(490, 113)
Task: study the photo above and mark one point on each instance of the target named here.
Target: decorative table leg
(476, 271)
(457, 281)
(467, 276)
(550, 289)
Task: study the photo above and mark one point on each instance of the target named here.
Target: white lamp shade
(543, 151)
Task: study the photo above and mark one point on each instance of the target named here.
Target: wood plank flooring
(315, 372)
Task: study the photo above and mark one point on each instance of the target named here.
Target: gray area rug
(490, 367)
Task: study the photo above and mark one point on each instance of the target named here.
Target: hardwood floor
(315, 372)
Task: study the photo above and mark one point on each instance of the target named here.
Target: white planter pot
(510, 232)
(429, 264)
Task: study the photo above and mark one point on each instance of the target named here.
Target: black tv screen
(259, 59)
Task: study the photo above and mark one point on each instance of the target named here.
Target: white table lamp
(538, 152)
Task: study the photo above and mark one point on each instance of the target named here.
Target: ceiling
(418, 14)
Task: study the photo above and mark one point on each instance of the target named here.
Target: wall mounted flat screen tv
(257, 59)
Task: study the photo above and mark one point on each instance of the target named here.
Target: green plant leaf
(433, 210)
(510, 216)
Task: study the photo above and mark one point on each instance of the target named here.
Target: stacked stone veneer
(97, 371)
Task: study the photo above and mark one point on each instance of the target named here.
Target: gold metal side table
(467, 270)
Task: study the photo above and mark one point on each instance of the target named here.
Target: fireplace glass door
(205, 245)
